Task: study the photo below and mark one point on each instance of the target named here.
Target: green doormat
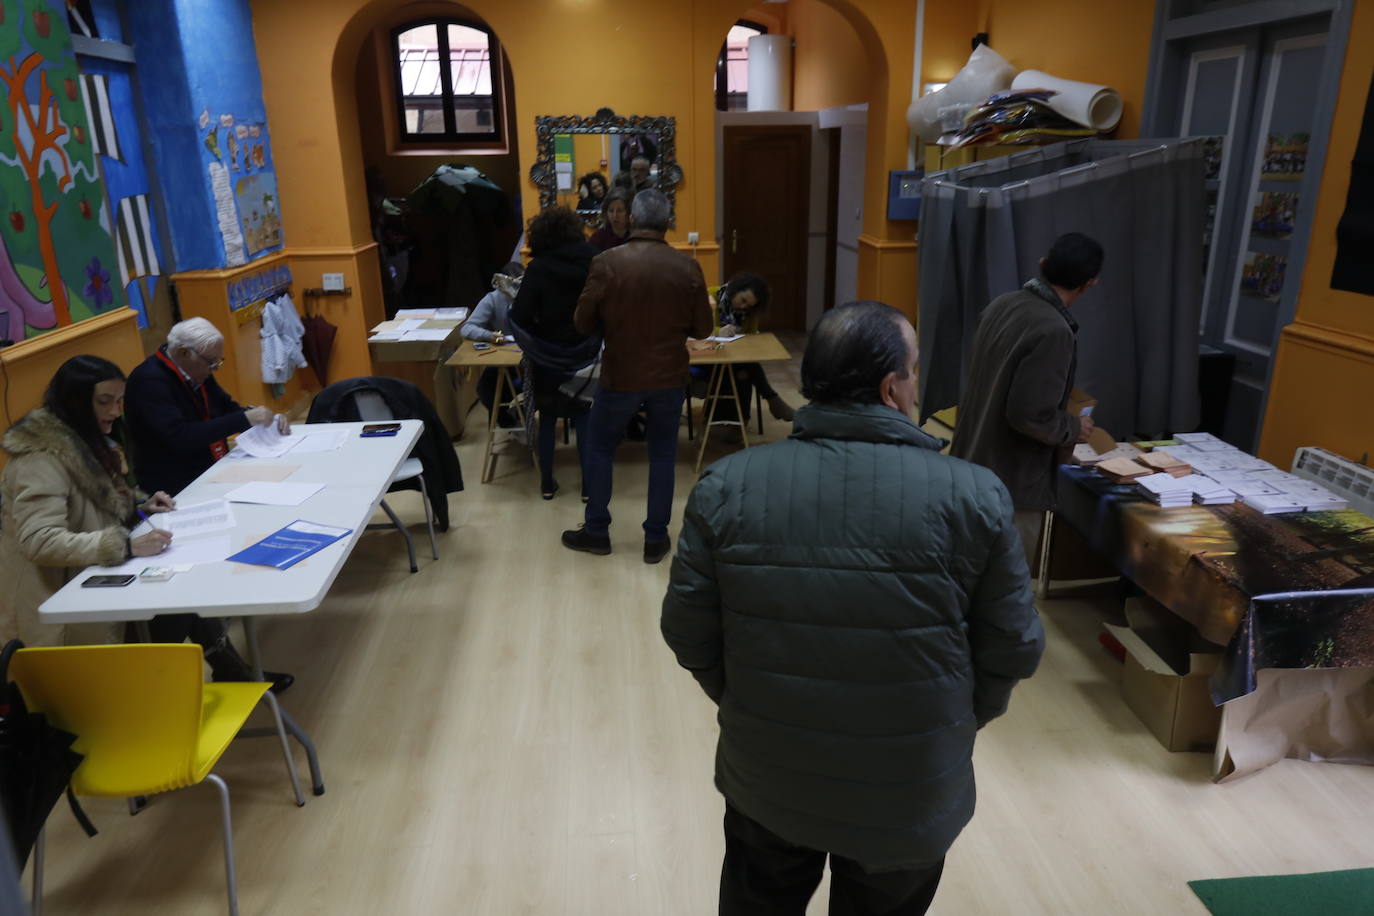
(1330, 893)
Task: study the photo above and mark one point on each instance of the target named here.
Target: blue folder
(288, 546)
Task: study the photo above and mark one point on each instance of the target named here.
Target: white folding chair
(372, 408)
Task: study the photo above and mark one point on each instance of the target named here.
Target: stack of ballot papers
(1207, 492)
(1273, 503)
(1085, 454)
(1122, 470)
(1166, 489)
(1163, 461)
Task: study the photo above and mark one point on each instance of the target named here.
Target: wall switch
(693, 238)
(332, 281)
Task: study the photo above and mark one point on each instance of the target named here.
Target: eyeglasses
(212, 363)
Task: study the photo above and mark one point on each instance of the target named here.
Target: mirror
(568, 148)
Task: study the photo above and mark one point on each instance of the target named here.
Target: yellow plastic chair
(144, 719)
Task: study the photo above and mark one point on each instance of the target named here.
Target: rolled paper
(1089, 104)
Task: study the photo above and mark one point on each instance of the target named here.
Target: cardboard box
(1165, 677)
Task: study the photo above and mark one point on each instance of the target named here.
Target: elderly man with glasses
(178, 415)
(178, 419)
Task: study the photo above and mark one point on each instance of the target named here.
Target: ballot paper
(200, 518)
(274, 493)
(723, 339)
(457, 314)
(427, 334)
(265, 441)
(422, 314)
(180, 552)
(386, 335)
(1166, 489)
(1274, 503)
(319, 440)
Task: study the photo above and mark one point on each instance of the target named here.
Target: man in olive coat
(858, 606)
(1012, 416)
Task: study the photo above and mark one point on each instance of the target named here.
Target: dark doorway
(767, 185)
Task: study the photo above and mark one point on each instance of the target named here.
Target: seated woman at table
(490, 323)
(68, 499)
(615, 216)
(542, 318)
(738, 304)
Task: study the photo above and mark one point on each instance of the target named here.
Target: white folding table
(355, 478)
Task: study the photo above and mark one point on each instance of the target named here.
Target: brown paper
(1315, 714)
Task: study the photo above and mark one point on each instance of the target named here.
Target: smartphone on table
(374, 430)
(107, 581)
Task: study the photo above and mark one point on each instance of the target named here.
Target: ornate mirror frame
(605, 121)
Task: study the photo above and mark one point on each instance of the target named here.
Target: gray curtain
(984, 228)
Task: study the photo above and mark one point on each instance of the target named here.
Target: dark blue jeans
(611, 413)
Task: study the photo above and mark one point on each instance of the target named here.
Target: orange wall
(1324, 369)
(1097, 41)
(29, 365)
(828, 62)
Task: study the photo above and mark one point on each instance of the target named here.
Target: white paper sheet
(319, 440)
(265, 442)
(274, 493)
(190, 521)
(719, 339)
(415, 313)
(385, 335)
(178, 553)
(427, 334)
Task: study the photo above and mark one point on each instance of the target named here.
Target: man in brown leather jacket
(646, 299)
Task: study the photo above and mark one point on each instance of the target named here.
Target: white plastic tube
(770, 73)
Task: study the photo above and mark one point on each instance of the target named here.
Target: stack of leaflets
(1085, 454)
(1122, 470)
(1163, 461)
(1207, 492)
(1167, 490)
(1274, 503)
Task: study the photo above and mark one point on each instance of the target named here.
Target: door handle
(734, 241)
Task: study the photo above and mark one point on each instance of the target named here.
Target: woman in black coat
(561, 260)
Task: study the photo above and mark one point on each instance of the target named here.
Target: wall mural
(57, 252)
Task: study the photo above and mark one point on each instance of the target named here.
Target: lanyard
(219, 448)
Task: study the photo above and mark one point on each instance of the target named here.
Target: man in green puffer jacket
(858, 605)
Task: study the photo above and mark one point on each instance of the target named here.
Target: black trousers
(764, 875)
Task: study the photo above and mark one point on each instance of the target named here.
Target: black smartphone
(372, 430)
(107, 581)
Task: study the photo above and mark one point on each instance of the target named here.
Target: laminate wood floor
(506, 733)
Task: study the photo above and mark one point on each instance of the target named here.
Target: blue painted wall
(198, 68)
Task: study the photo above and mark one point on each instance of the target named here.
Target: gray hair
(196, 334)
(651, 210)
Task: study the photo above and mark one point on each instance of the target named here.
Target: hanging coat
(281, 341)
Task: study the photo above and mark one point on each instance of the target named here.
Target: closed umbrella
(317, 344)
(36, 765)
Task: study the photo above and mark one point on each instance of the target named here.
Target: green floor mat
(1331, 893)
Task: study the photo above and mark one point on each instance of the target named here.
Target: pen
(144, 515)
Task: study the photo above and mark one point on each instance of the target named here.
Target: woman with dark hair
(591, 190)
(542, 319)
(68, 499)
(738, 303)
(615, 216)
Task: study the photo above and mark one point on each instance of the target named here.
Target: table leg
(489, 460)
(1042, 580)
(739, 407)
(284, 722)
(712, 391)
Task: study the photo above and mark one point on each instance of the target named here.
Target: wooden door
(767, 181)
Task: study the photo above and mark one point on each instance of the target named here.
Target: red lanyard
(217, 449)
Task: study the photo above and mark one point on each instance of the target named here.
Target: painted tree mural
(57, 253)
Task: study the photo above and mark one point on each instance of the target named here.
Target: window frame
(496, 136)
(723, 93)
